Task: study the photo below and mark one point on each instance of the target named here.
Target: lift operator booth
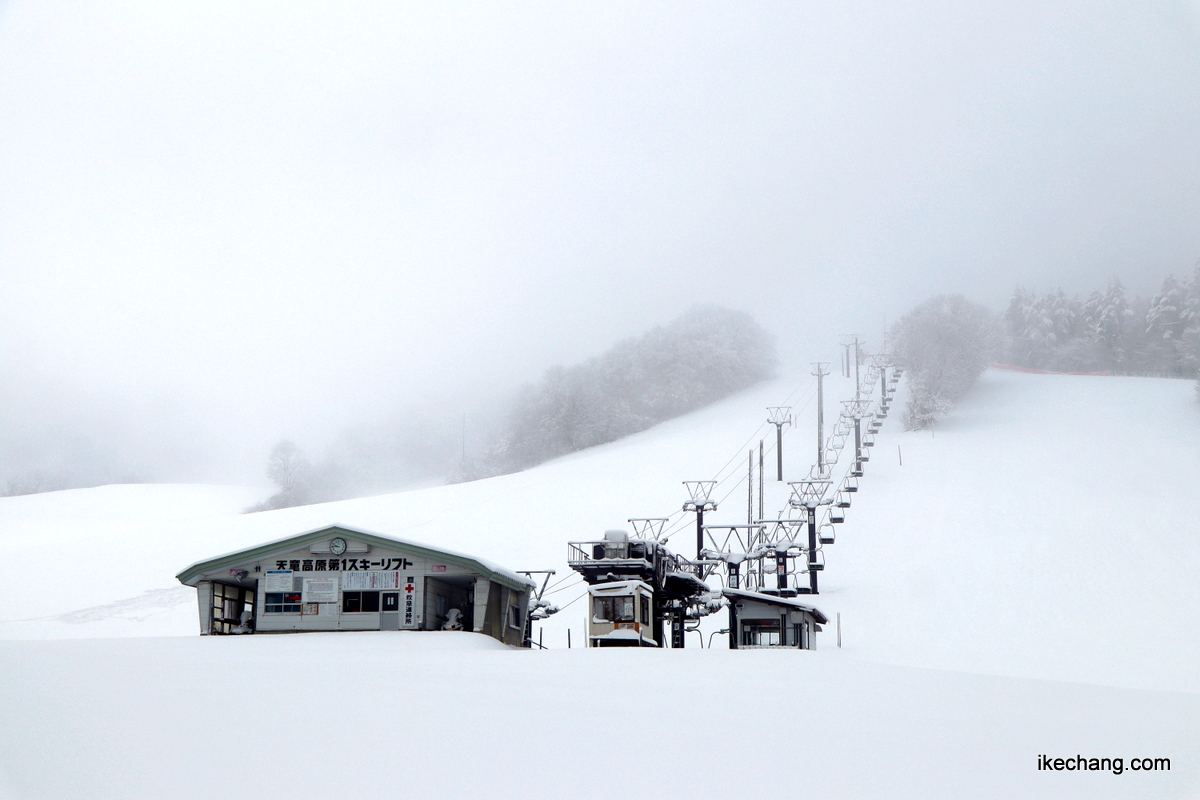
(343, 579)
(758, 620)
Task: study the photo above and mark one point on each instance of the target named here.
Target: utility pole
(821, 372)
(760, 478)
(750, 488)
(699, 503)
(779, 416)
(857, 359)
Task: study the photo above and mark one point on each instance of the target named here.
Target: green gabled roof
(191, 575)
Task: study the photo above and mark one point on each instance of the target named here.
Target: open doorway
(450, 603)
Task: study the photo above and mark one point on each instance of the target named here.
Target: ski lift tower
(822, 369)
(539, 608)
(740, 543)
(779, 416)
(881, 363)
(857, 409)
(808, 494)
(851, 340)
(699, 492)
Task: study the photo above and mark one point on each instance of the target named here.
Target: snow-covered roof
(192, 574)
(777, 601)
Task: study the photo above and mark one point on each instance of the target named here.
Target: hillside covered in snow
(1018, 581)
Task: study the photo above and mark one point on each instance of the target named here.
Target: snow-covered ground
(1024, 584)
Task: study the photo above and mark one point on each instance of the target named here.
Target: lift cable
(551, 588)
(563, 588)
(568, 605)
(683, 522)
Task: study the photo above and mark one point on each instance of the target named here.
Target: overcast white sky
(222, 223)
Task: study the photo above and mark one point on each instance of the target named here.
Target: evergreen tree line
(1109, 332)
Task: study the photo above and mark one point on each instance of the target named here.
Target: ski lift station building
(759, 620)
(339, 578)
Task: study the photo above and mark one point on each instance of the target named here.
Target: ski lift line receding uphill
(645, 595)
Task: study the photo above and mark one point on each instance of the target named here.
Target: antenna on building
(779, 416)
(699, 492)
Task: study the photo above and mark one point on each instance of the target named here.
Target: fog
(223, 224)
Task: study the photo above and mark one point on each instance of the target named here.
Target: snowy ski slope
(1024, 584)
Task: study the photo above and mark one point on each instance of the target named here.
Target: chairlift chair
(817, 561)
(851, 484)
(828, 533)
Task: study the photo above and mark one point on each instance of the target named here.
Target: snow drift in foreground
(360, 715)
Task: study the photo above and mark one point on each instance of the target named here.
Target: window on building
(514, 617)
(282, 603)
(613, 609)
(228, 606)
(645, 609)
(359, 602)
(760, 633)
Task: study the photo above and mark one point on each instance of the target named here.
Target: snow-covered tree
(291, 471)
(946, 343)
(1189, 340)
(1105, 317)
(704, 355)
